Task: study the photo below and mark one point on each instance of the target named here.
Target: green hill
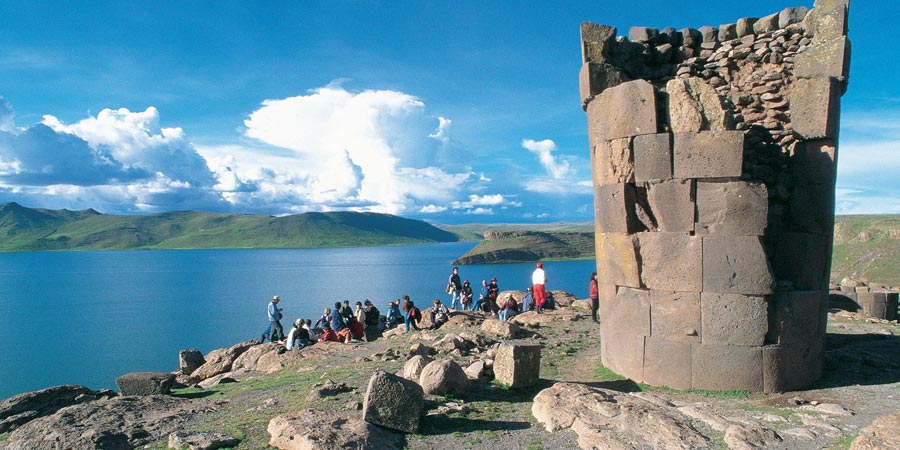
(517, 246)
(23, 229)
(867, 247)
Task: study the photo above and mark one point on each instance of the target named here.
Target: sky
(446, 111)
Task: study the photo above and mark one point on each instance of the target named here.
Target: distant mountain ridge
(28, 229)
(502, 246)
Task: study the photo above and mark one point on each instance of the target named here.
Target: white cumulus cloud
(544, 151)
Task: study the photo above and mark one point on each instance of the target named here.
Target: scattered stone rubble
(713, 156)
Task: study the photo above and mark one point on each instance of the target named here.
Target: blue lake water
(89, 317)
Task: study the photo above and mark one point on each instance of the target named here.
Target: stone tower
(713, 154)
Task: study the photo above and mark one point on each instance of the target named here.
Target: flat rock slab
(319, 430)
(20, 409)
(882, 434)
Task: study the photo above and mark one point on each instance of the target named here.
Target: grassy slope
(867, 246)
(531, 247)
(34, 229)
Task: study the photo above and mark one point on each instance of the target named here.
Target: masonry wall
(713, 154)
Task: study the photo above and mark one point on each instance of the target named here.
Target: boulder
(505, 330)
(145, 383)
(116, 423)
(220, 360)
(393, 402)
(222, 378)
(476, 370)
(452, 342)
(420, 349)
(20, 409)
(609, 419)
(250, 358)
(882, 434)
(189, 360)
(317, 430)
(443, 376)
(562, 298)
(201, 440)
(518, 364)
(413, 367)
(533, 319)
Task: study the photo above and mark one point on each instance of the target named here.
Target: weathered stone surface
(735, 265)
(189, 360)
(393, 402)
(667, 363)
(793, 317)
(815, 105)
(722, 367)
(626, 322)
(201, 440)
(116, 423)
(613, 420)
(613, 162)
(412, 369)
(596, 42)
(824, 59)
(504, 330)
(744, 26)
(882, 434)
(676, 316)
(642, 34)
(615, 208)
(727, 32)
(811, 207)
(518, 364)
(476, 370)
(628, 109)
(691, 37)
(652, 157)
(791, 367)
(19, 409)
(828, 19)
(733, 319)
(766, 24)
(671, 261)
(145, 383)
(318, 430)
(443, 376)
(695, 106)
(617, 259)
(709, 34)
(814, 162)
(755, 437)
(672, 203)
(249, 360)
(788, 16)
(595, 78)
(802, 259)
(734, 208)
(532, 319)
(220, 360)
(709, 154)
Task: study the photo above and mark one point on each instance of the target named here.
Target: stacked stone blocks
(713, 154)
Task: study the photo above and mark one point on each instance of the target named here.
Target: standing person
(467, 296)
(274, 314)
(439, 315)
(373, 316)
(493, 292)
(594, 293)
(482, 298)
(538, 280)
(413, 315)
(454, 288)
(337, 320)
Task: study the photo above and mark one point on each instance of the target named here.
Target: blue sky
(452, 112)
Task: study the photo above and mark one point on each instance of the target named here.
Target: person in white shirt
(538, 280)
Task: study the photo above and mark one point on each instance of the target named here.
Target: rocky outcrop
(503, 330)
(393, 402)
(189, 360)
(220, 360)
(116, 423)
(318, 430)
(20, 409)
(882, 434)
(145, 383)
(201, 440)
(614, 420)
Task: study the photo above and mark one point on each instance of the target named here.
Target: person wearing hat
(274, 314)
(538, 280)
(493, 293)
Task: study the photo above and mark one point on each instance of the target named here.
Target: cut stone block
(628, 109)
(802, 259)
(652, 157)
(691, 37)
(145, 383)
(613, 162)
(725, 367)
(642, 34)
(617, 260)
(735, 208)
(788, 16)
(766, 24)
(812, 209)
(667, 363)
(735, 265)
(727, 32)
(594, 78)
(709, 34)
(675, 316)
(695, 106)
(671, 261)
(815, 107)
(708, 154)
(814, 162)
(828, 19)
(626, 321)
(791, 367)
(824, 59)
(518, 364)
(615, 208)
(745, 26)
(596, 42)
(733, 319)
(794, 317)
(672, 204)
(631, 311)
(623, 354)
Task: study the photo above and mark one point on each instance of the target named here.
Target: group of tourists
(365, 322)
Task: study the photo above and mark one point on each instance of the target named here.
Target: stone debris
(201, 440)
(882, 434)
(317, 430)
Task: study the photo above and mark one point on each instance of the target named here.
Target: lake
(89, 317)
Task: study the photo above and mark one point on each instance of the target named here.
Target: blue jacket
(337, 321)
(274, 312)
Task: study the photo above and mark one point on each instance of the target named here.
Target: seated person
(313, 337)
(528, 301)
(328, 335)
(353, 330)
(297, 334)
(439, 315)
(394, 317)
(510, 308)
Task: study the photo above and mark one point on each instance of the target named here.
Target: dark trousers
(277, 333)
(595, 306)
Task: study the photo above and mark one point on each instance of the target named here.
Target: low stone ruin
(713, 154)
(871, 300)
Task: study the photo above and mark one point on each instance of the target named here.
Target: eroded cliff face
(713, 154)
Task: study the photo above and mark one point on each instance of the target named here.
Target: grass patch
(535, 445)
(842, 443)
(603, 373)
(3, 436)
